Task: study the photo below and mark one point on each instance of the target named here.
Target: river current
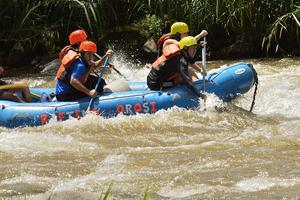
(224, 153)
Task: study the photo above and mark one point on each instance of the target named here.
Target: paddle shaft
(204, 62)
(98, 82)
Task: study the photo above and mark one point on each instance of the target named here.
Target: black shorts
(152, 80)
(155, 85)
(76, 94)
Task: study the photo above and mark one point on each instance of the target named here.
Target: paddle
(118, 72)
(204, 68)
(204, 62)
(98, 82)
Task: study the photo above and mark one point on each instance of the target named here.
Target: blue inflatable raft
(226, 83)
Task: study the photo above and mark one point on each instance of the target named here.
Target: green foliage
(146, 194)
(230, 20)
(150, 26)
(47, 23)
(281, 25)
(107, 192)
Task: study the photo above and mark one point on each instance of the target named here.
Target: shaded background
(30, 29)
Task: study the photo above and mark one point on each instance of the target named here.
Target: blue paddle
(98, 82)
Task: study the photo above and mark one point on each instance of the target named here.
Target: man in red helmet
(75, 38)
(73, 76)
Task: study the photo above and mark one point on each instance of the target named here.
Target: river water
(228, 153)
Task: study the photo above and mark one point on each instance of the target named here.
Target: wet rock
(150, 46)
(50, 67)
(239, 49)
(19, 56)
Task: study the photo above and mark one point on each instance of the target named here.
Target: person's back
(169, 73)
(76, 69)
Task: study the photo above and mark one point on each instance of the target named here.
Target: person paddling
(75, 39)
(73, 76)
(9, 89)
(171, 69)
(178, 31)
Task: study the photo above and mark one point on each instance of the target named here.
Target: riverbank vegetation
(237, 28)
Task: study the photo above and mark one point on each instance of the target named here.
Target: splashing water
(228, 153)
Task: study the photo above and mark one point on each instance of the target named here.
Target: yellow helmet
(187, 42)
(179, 27)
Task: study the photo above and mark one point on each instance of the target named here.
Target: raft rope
(255, 90)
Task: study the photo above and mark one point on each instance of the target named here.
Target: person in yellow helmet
(178, 31)
(171, 68)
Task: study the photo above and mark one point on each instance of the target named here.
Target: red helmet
(88, 46)
(77, 36)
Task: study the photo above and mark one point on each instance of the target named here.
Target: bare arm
(201, 35)
(100, 62)
(188, 81)
(78, 86)
(170, 41)
(196, 67)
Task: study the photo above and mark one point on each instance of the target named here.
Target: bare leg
(26, 94)
(10, 96)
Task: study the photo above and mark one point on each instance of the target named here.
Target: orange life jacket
(162, 39)
(168, 52)
(63, 52)
(66, 61)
